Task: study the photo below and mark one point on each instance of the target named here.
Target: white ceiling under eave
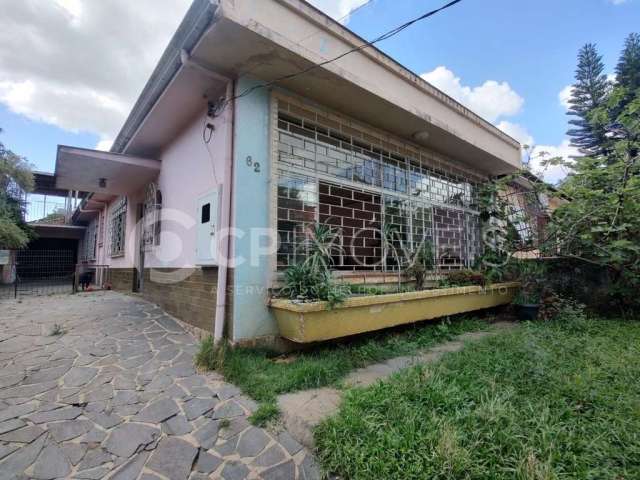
(102, 172)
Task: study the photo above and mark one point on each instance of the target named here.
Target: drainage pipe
(224, 246)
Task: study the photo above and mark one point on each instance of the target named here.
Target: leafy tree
(589, 93)
(15, 179)
(628, 69)
(601, 223)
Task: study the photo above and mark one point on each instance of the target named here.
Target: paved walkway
(116, 396)
(303, 411)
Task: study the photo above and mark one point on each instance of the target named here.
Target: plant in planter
(422, 263)
(528, 299)
(311, 280)
(462, 278)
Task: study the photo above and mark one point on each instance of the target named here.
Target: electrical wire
(365, 45)
(339, 20)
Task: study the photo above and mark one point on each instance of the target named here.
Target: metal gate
(42, 272)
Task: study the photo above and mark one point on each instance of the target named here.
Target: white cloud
(338, 9)
(491, 100)
(619, 2)
(552, 174)
(104, 144)
(565, 95)
(80, 64)
(516, 131)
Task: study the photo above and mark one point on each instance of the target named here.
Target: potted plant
(529, 297)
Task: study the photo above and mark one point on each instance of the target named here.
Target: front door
(207, 219)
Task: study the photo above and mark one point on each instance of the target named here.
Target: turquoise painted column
(251, 210)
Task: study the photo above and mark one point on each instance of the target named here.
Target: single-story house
(231, 152)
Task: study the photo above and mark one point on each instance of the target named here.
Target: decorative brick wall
(191, 299)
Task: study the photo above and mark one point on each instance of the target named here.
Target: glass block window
(89, 242)
(152, 216)
(117, 229)
(382, 198)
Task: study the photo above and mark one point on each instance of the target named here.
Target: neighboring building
(358, 143)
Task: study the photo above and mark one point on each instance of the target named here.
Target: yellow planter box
(314, 322)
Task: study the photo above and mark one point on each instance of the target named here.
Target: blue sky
(509, 59)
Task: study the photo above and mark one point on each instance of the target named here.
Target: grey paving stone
(69, 429)
(228, 391)
(68, 413)
(16, 411)
(309, 469)
(229, 409)
(94, 458)
(79, 376)
(94, 435)
(169, 324)
(252, 442)
(105, 420)
(46, 374)
(11, 425)
(74, 451)
(284, 471)
(23, 435)
(125, 439)
(12, 467)
(27, 391)
(207, 462)
(198, 406)
(104, 392)
(177, 425)
(236, 425)
(149, 476)
(131, 469)
(269, 457)
(234, 471)
(51, 463)
(159, 383)
(157, 412)
(11, 380)
(180, 371)
(227, 448)
(207, 435)
(124, 397)
(289, 443)
(173, 458)
(6, 450)
(94, 474)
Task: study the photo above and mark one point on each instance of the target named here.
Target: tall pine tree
(628, 69)
(589, 93)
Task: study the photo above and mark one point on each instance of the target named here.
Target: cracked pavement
(117, 396)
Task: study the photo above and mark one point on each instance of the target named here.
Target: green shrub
(265, 414)
(210, 356)
(462, 278)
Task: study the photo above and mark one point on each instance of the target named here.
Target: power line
(381, 38)
(339, 20)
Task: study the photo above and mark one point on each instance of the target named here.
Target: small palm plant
(311, 279)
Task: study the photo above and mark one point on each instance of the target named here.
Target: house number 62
(255, 165)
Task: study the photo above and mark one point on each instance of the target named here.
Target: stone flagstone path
(303, 411)
(116, 396)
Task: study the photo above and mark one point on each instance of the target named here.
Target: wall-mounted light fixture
(102, 183)
(422, 136)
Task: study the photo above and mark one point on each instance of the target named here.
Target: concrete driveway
(116, 396)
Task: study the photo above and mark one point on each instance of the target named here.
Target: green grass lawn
(263, 375)
(543, 401)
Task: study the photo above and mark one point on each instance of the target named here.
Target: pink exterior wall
(188, 172)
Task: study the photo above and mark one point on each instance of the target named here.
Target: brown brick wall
(121, 279)
(192, 299)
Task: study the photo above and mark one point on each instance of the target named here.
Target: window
(118, 227)
(205, 216)
(368, 188)
(90, 240)
(152, 214)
